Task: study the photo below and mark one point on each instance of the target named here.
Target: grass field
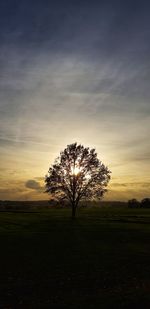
(99, 260)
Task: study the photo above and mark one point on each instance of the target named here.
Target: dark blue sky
(74, 71)
(90, 27)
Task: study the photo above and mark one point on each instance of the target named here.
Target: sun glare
(75, 170)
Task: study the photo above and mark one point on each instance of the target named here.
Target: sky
(74, 71)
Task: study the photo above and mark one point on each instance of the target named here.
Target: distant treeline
(134, 203)
(31, 205)
(23, 205)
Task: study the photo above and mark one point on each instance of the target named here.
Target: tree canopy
(77, 174)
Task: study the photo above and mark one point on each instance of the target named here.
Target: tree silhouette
(77, 174)
(133, 203)
(145, 203)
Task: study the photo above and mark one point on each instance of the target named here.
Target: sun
(75, 170)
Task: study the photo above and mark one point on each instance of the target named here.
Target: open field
(99, 260)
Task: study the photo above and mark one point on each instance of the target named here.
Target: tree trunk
(73, 211)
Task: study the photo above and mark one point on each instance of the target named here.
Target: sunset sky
(74, 71)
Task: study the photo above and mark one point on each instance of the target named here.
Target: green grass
(99, 260)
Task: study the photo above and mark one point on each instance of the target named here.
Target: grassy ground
(100, 260)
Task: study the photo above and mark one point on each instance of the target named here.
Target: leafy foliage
(77, 174)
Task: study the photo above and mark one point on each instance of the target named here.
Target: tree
(133, 203)
(77, 174)
(145, 203)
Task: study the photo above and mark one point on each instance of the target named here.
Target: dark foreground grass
(99, 260)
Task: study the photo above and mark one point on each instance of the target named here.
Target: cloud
(119, 185)
(39, 178)
(11, 190)
(34, 185)
(131, 184)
